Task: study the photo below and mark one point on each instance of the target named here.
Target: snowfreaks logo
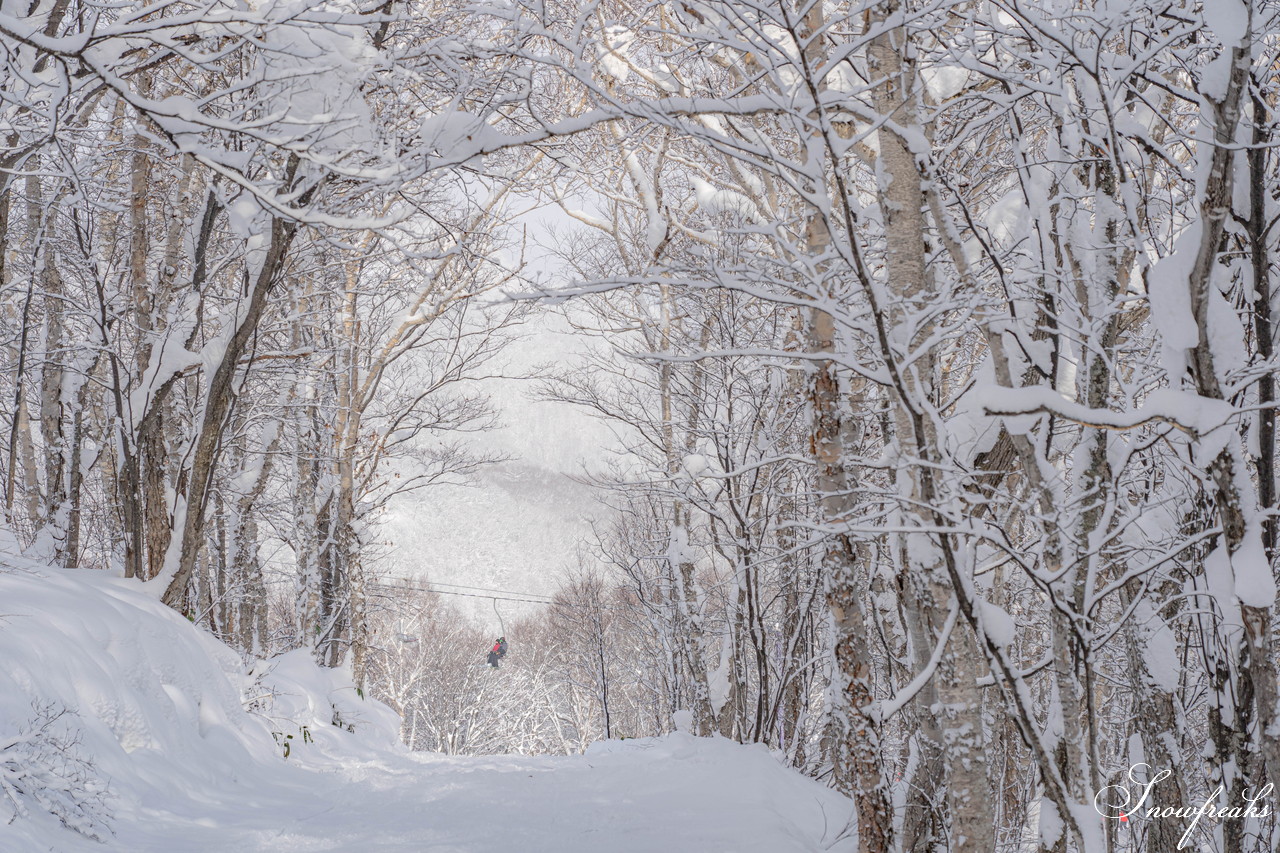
(1125, 803)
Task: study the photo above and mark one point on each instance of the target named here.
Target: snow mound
(114, 709)
(322, 707)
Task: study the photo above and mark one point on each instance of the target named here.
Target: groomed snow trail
(653, 796)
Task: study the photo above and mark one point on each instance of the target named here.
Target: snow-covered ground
(663, 795)
(145, 731)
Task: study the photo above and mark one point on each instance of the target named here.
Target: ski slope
(173, 743)
(671, 794)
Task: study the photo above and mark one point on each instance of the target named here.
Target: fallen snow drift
(170, 745)
(141, 714)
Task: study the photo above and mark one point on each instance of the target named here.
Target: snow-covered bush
(305, 704)
(43, 767)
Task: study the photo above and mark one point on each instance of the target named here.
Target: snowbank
(720, 785)
(114, 709)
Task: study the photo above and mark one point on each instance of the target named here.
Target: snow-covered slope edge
(116, 710)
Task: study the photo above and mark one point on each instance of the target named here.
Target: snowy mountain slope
(171, 747)
(519, 524)
(517, 529)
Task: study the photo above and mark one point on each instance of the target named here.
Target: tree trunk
(968, 792)
(218, 402)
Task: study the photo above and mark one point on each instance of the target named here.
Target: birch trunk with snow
(1244, 680)
(916, 440)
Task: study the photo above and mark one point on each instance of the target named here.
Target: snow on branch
(42, 767)
(1186, 411)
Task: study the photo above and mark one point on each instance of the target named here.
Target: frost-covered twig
(42, 767)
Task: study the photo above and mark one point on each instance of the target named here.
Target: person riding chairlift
(498, 652)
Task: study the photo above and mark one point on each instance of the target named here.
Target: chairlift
(499, 650)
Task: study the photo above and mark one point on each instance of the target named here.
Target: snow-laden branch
(1184, 410)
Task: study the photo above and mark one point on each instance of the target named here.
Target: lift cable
(547, 600)
(388, 589)
(440, 583)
